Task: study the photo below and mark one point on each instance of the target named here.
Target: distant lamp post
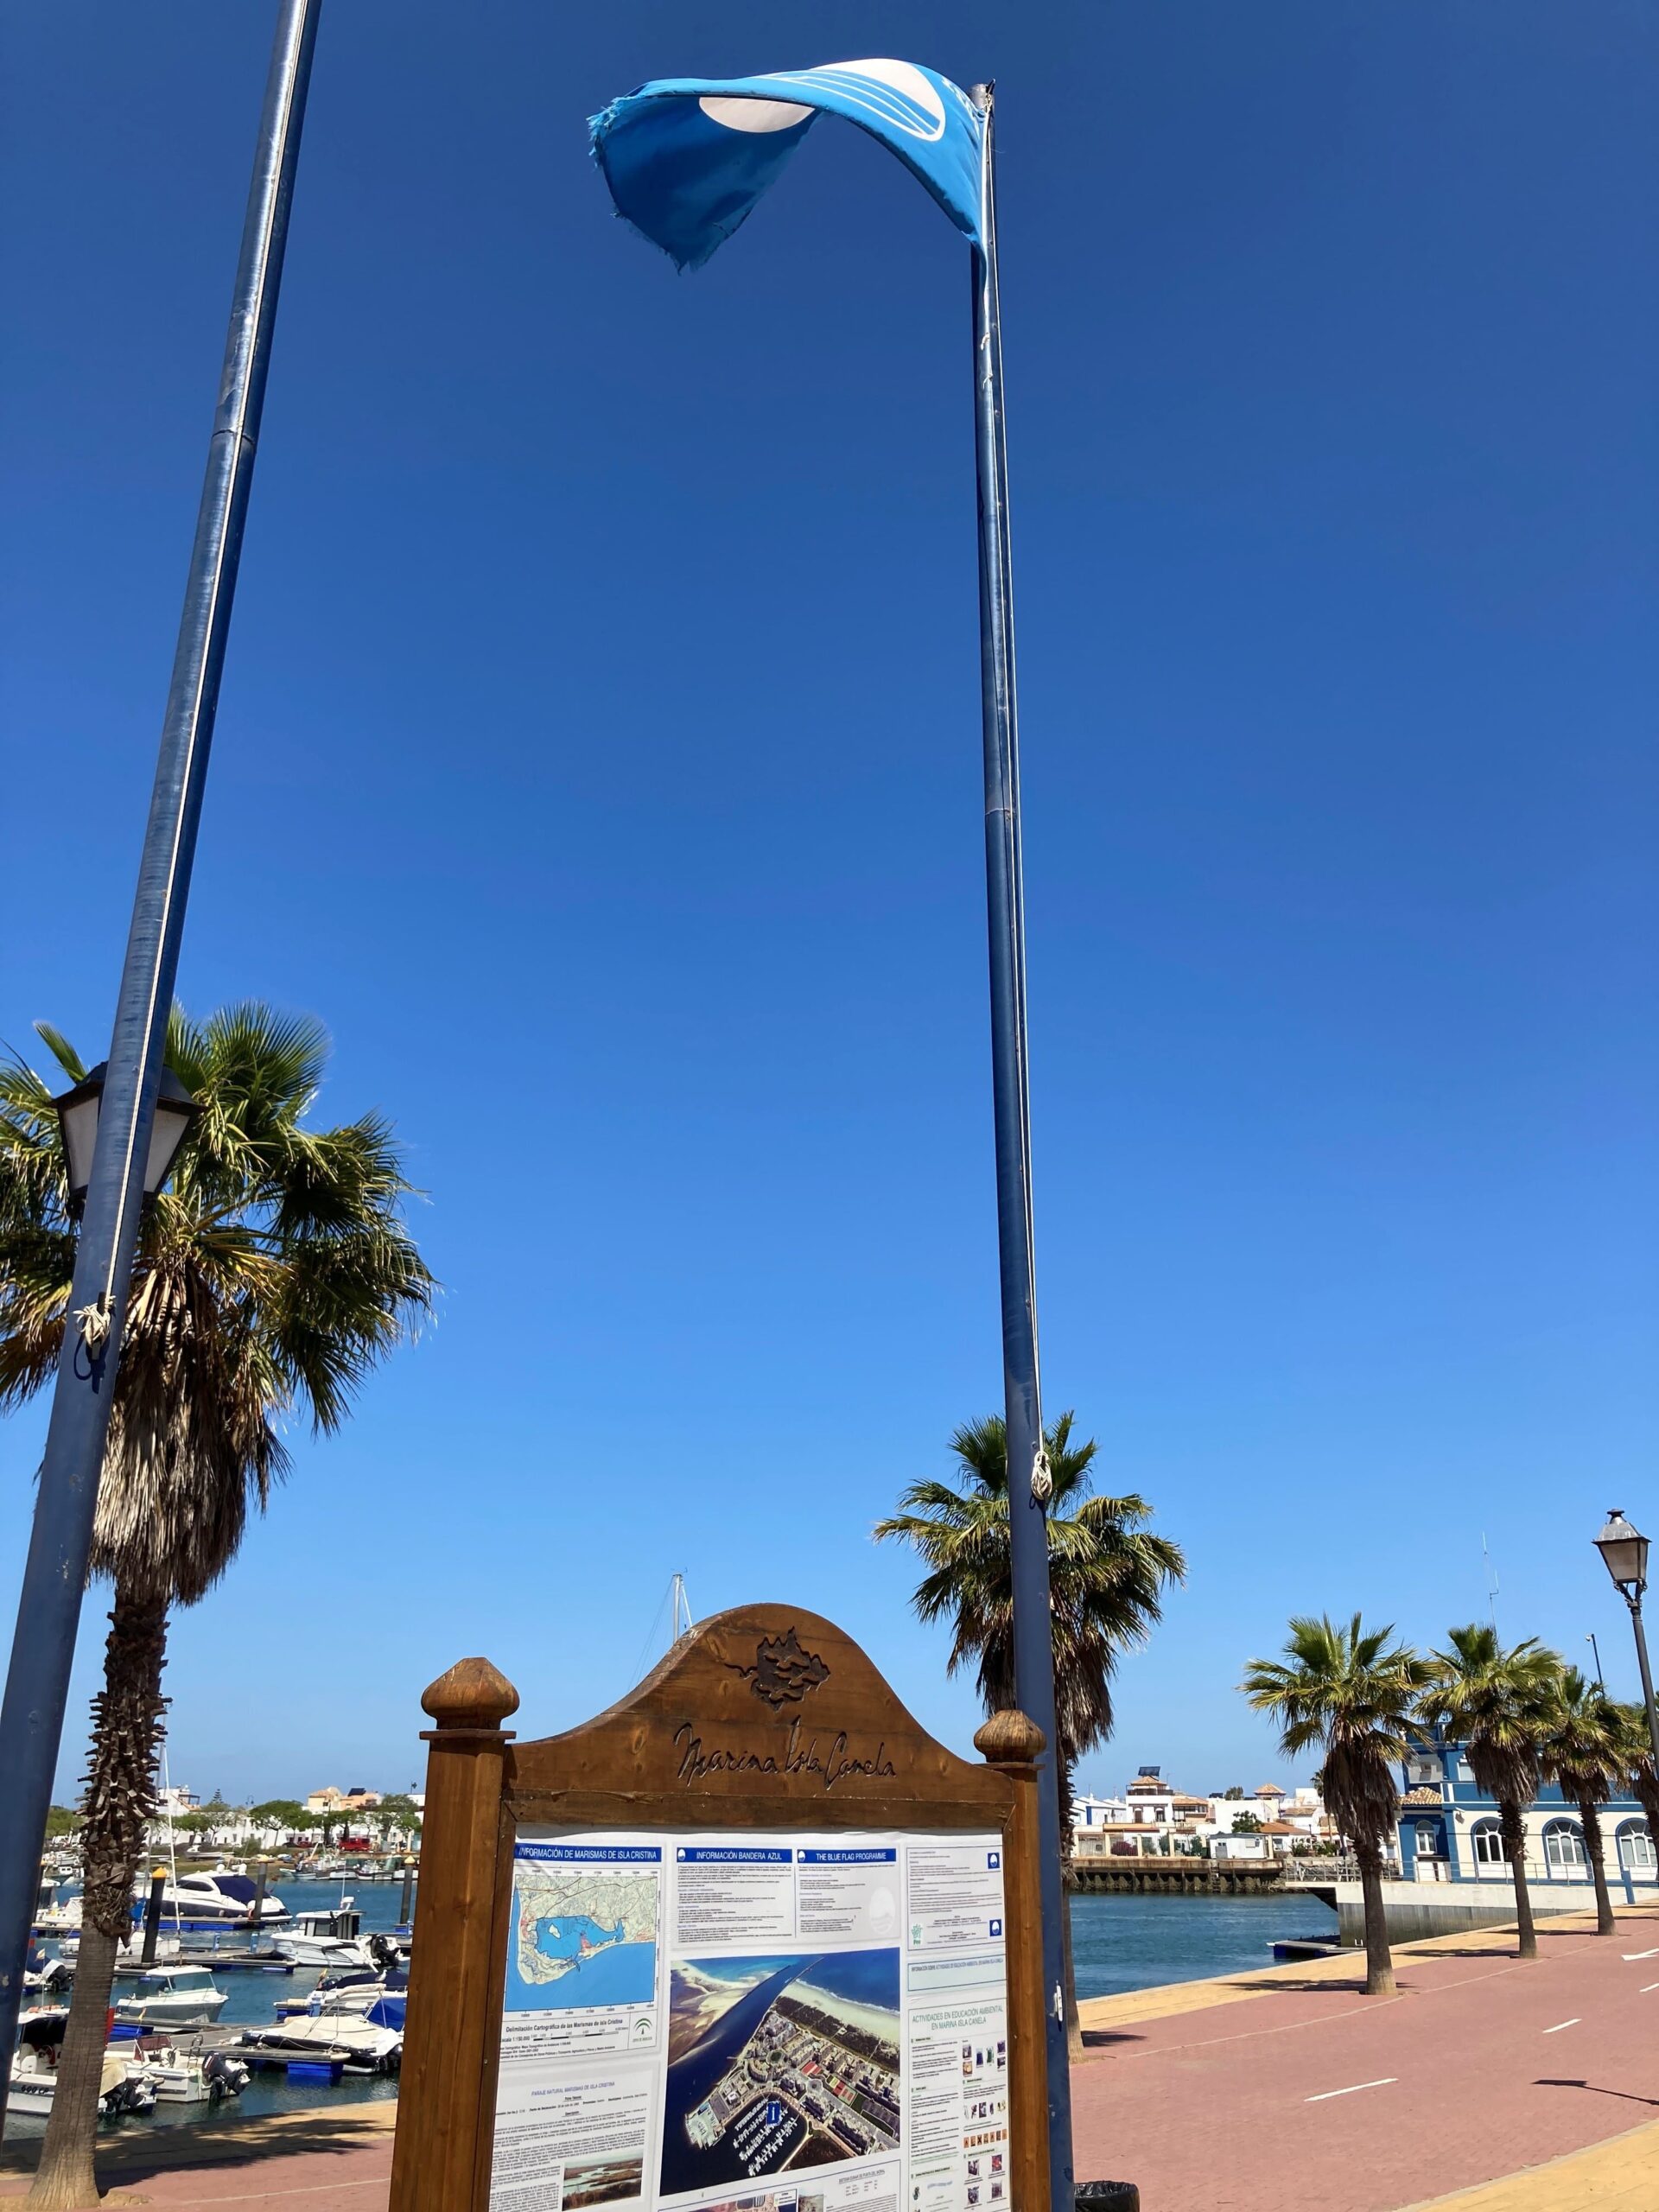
(1625, 1552)
(176, 1109)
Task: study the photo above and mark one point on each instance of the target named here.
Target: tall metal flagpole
(37, 1685)
(1029, 1483)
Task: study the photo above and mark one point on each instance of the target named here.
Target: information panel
(719, 2020)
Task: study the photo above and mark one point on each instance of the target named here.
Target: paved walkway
(1234, 2095)
(1622, 2176)
(1225, 2095)
(328, 2158)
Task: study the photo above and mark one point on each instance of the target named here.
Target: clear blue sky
(599, 756)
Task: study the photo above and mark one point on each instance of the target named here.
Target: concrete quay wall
(1419, 1910)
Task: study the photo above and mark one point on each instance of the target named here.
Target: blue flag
(687, 157)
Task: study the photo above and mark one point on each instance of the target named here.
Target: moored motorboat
(370, 2042)
(173, 1997)
(345, 1993)
(185, 2077)
(33, 2077)
(327, 1939)
(217, 1898)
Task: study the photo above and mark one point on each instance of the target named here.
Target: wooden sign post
(752, 1935)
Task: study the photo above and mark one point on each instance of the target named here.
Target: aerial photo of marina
(779, 2063)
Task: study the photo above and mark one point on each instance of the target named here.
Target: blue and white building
(1449, 1832)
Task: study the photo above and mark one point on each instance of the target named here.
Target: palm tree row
(1520, 1716)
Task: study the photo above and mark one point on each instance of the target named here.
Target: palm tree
(1581, 1749)
(1496, 1703)
(1636, 1761)
(1106, 1576)
(270, 1277)
(1353, 1692)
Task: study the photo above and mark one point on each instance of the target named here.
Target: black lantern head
(1625, 1553)
(78, 1112)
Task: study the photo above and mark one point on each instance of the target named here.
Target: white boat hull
(185, 2080)
(177, 2010)
(364, 2045)
(32, 2086)
(323, 1950)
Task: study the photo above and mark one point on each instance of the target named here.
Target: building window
(1465, 1772)
(1488, 1839)
(1564, 1848)
(1428, 1840)
(1635, 1851)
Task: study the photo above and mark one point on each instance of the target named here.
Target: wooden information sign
(750, 1938)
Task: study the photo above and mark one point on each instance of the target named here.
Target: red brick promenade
(1310, 2092)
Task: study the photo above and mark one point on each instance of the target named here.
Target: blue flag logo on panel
(686, 158)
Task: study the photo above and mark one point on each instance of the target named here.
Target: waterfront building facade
(1152, 1818)
(1448, 1831)
(331, 1800)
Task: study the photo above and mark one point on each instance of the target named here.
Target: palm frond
(1107, 1573)
(1353, 1692)
(272, 1275)
(1496, 1704)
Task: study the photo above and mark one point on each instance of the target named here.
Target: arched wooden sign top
(767, 1711)
(761, 1798)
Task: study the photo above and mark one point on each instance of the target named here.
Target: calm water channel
(1119, 1944)
(1140, 1942)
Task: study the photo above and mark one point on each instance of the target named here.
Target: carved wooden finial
(1009, 1739)
(471, 1694)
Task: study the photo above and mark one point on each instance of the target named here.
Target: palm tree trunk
(1512, 1822)
(1379, 1958)
(1596, 1852)
(67, 2177)
(119, 1801)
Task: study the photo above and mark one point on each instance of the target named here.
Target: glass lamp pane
(166, 1133)
(1624, 1549)
(79, 1122)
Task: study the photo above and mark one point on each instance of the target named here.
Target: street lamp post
(111, 1136)
(1625, 1553)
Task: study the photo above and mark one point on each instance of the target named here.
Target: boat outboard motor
(225, 2076)
(128, 2097)
(383, 1950)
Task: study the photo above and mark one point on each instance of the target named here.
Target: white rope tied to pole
(94, 1322)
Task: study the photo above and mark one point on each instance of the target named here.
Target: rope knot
(94, 1322)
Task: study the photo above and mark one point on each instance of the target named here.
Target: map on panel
(580, 1938)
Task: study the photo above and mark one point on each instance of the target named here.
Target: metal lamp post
(1625, 1552)
(110, 1135)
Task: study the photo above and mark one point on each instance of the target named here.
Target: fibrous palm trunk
(119, 1801)
(1379, 1957)
(1595, 1851)
(1512, 1822)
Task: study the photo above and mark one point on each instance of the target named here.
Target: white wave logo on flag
(895, 92)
